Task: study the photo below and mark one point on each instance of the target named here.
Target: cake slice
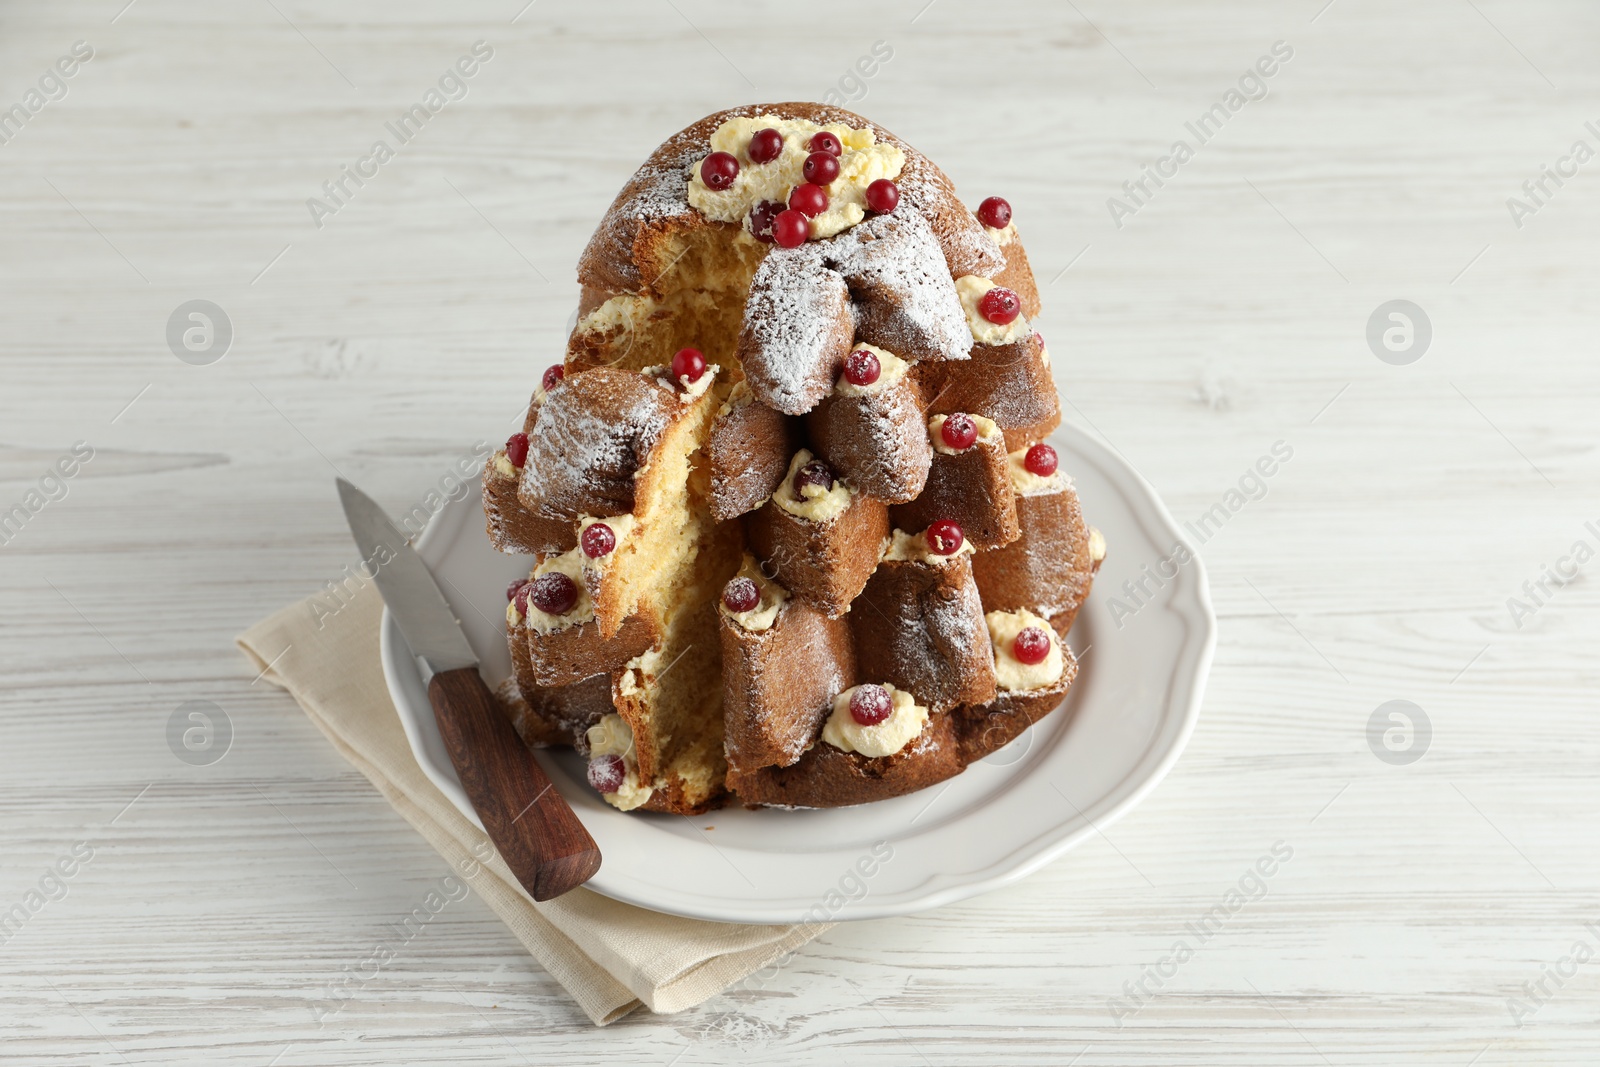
(818, 536)
(967, 483)
(669, 705)
(749, 452)
(994, 215)
(1050, 567)
(919, 623)
(556, 716)
(782, 664)
(870, 428)
(878, 742)
(1033, 671)
(558, 624)
(1010, 384)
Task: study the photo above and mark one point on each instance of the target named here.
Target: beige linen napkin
(610, 956)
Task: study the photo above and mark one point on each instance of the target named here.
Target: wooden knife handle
(529, 821)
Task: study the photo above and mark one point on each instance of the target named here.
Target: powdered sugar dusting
(934, 643)
(878, 441)
(907, 300)
(967, 247)
(595, 431)
(797, 324)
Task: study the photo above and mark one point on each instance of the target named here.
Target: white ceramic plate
(1124, 724)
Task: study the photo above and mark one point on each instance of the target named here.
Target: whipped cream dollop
(569, 563)
(765, 613)
(1003, 236)
(612, 736)
(1097, 544)
(891, 369)
(687, 391)
(988, 432)
(971, 288)
(812, 503)
(503, 466)
(1010, 673)
(622, 527)
(863, 161)
(1026, 483)
(905, 722)
(904, 547)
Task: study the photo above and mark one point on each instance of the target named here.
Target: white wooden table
(1227, 313)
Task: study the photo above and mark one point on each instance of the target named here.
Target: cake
(794, 536)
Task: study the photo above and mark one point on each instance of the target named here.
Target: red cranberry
(959, 431)
(814, 473)
(1040, 460)
(761, 218)
(861, 368)
(945, 537)
(514, 588)
(883, 196)
(820, 168)
(994, 213)
(1031, 646)
(790, 229)
(521, 599)
(1000, 306)
(740, 594)
(766, 145)
(598, 540)
(719, 170)
(823, 141)
(554, 593)
(607, 773)
(870, 704)
(810, 200)
(688, 363)
(552, 375)
(517, 449)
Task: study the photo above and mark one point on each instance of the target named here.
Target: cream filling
(1044, 353)
(513, 616)
(622, 527)
(687, 391)
(1005, 236)
(971, 288)
(571, 564)
(1010, 673)
(988, 433)
(815, 505)
(738, 397)
(625, 311)
(906, 720)
(1097, 544)
(503, 466)
(1027, 483)
(913, 548)
(765, 613)
(612, 736)
(891, 368)
(863, 161)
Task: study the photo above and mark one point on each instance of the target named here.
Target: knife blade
(529, 822)
(426, 621)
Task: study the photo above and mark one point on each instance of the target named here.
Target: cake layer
(919, 625)
(969, 487)
(1048, 568)
(778, 683)
(824, 559)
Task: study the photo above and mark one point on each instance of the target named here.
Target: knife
(527, 819)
